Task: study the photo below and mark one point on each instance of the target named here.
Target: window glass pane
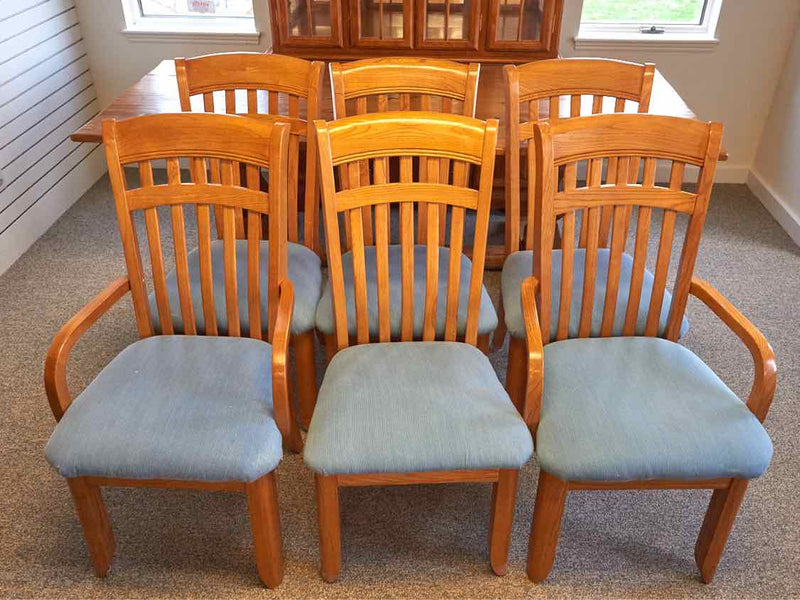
(193, 8)
(519, 20)
(382, 19)
(447, 20)
(643, 11)
(309, 18)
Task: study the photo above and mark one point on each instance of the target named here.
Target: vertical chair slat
(252, 101)
(363, 175)
(432, 257)
(229, 255)
(382, 233)
(208, 102)
(407, 255)
(590, 271)
(597, 104)
(199, 176)
(294, 106)
(254, 273)
(422, 208)
(230, 101)
(637, 274)
(615, 259)
(567, 261)
(181, 256)
(531, 166)
(273, 107)
(293, 185)
(575, 105)
(454, 273)
(359, 275)
(660, 275)
(555, 107)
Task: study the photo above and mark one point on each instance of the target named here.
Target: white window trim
(610, 36)
(222, 30)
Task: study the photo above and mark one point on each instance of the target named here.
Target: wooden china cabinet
(476, 30)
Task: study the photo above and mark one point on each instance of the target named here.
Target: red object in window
(201, 6)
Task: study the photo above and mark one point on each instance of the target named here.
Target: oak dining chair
(389, 84)
(553, 89)
(632, 409)
(288, 89)
(189, 411)
(396, 411)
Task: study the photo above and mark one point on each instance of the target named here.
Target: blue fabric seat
(519, 266)
(637, 408)
(305, 273)
(190, 408)
(414, 406)
(487, 318)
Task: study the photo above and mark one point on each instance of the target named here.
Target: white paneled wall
(46, 92)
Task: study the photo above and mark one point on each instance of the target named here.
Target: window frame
(231, 30)
(598, 35)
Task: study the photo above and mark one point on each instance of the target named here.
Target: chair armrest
(532, 406)
(55, 365)
(764, 367)
(284, 416)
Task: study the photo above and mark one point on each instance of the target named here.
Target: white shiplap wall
(46, 92)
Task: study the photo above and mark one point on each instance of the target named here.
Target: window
(222, 20)
(648, 21)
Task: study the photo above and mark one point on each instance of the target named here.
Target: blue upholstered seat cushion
(305, 273)
(637, 408)
(414, 406)
(519, 266)
(192, 408)
(487, 318)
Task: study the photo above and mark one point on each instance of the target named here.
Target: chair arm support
(55, 365)
(764, 367)
(280, 372)
(532, 406)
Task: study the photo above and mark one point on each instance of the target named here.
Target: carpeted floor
(408, 541)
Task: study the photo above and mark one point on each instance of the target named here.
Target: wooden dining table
(157, 92)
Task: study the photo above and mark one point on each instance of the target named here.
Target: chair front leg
(262, 500)
(305, 376)
(330, 535)
(504, 496)
(94, 519)
(551, 495)
(717, 525)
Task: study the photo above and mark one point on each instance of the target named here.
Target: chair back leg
(94, 519)
(305, 376)
(262, 500)
(551, 496)
(717, 525)
(504, 497)
(330, 535)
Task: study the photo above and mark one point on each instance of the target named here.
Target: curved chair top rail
(225, 155)
(620, 154)
(583, 76)
(433, 154)
(426, 77)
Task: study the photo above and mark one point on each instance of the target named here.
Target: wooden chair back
(556, 89)
(235, 145)
(611, 149)
(449, 145)
(256, 83)
(391, 84)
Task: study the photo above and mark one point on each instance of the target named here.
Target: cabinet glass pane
(309, 18)
(519, 20)
(382, 19)
(447, 19)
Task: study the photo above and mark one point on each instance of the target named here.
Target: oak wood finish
(369, 140)
(201, 139)
(314, 29)
(628, 138)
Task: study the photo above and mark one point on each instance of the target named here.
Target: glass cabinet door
(447, 23)
(520, 24)
(309, 22)
(381, 23)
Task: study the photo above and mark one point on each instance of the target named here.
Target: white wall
(46, 92)
(775, 177)
(117, 62)
(734, 82)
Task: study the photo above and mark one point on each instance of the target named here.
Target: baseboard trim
(777, 207)
(49, 208)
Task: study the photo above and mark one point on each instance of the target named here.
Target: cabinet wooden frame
(283, 41)
(435, 137)
(647, 137)
(472, 42)
(168, 137)
(549, 29)
(359, 40)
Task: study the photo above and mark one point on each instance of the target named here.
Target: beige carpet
(398, 542)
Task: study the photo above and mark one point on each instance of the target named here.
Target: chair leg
(262, 500)
(721, 514)
(515, 374)
(551, 495)
(504, 496)
(484, 342)
(92, 513)
(306, 376)
(330, 535)
(500, 331)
